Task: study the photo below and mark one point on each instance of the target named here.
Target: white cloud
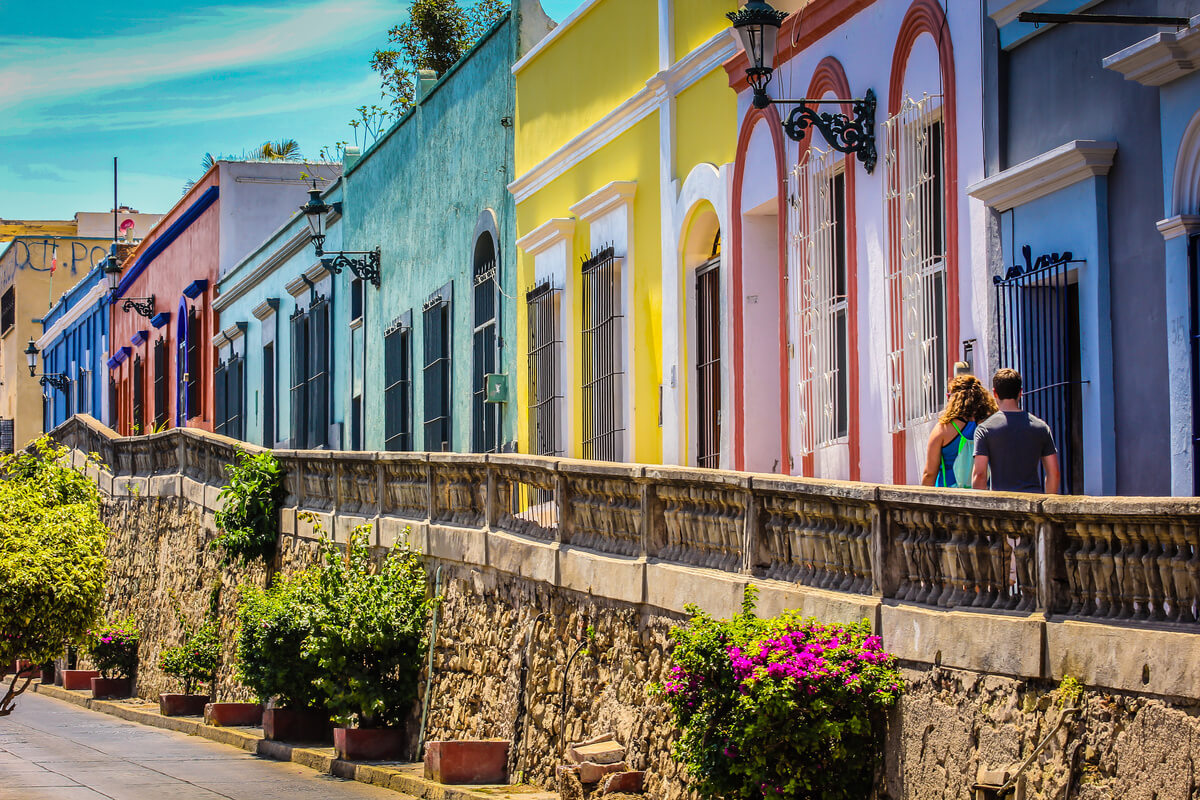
(37, 70)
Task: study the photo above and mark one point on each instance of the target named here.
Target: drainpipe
(437, 593)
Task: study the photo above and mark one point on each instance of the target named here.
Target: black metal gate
(1038, 332)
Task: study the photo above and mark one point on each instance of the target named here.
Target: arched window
(485, 415)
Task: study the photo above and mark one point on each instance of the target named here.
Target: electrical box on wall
(496, 386)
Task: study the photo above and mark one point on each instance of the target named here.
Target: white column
(1177, 231)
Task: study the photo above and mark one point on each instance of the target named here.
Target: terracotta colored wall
(192, 256)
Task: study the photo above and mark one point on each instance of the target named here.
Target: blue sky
(159, 84)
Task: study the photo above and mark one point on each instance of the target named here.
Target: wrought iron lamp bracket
(56, 380)
(142, 305)
(363, 263)
(853, 135)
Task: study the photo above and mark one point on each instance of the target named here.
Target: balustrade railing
(1093, 558)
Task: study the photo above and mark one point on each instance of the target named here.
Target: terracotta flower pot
(108, 688)
(182, 705)
(233, 714)
(463, 761)
(296, 725)
(368, 744)
(79, 679)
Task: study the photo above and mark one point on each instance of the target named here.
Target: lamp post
(363, 263)
(54, 379)
(757, 25)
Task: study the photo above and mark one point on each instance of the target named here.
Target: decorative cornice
(605, 199)
(160, 319)
(234, 331)
(219, 339)
(316, 272)
(1008, 12)
(1161, 58)
(297, 242)
(195, 288)
(140, 337)
(296, 286)
(1179, 225)
(82, 306)
(1042, 175)
(266, 308)
(546, 235)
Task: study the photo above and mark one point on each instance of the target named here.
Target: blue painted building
(74, 343)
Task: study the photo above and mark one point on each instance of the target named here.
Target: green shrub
(51, 557)
(197, 660)
(249, 518)
(782, 708)
(114, 648)
(368, 631)
(273, 626)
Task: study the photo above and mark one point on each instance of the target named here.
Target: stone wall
(492, 625)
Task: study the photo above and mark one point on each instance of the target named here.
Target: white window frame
(914, 339)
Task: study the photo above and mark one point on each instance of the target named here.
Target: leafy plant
(784, 707)
(249, 518)
(197, 660)
(436, 35)
(1069, 692)
(114, 648)
(273, 626)
(51, 557)
(368, 631)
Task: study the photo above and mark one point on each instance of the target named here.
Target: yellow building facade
(28, 288)
(625, 133)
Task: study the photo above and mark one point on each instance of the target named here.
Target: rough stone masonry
(500, 667)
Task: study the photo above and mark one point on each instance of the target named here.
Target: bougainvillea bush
(114, 648)
(784, 707)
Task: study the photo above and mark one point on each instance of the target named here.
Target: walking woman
(967, 404)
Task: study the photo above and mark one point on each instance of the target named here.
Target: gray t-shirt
(1015, 443)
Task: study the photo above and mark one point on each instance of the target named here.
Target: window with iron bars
(298, 390)
(545, 355)
(818, 280)
(435, 329)
(397, 380)
(228, 396)
(160, 382)
(268, 391)
(485, 416)
(8, 309)
(708, 359)
(914, 180)
(603, 423)
(82, 406)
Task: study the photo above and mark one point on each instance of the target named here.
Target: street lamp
(112, 274)
(53, 379)
(363, 263)
(757, 25)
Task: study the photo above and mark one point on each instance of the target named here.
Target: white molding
(235, 331)
(220, 340)
(317, 273)
(83, 305)
(1179, 225)
(553, 35)
(633, 110)
(1161, 58)
(1042, 175)
(266, 308)
(605, 200)
(546, 235)
(1008, 12)
(296, 286)
(285, 251)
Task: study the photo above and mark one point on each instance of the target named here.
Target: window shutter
(269, 395)
(299, 392)
(392, 363)
(220, 407)
(318, 374)
(437, 375)
(139, 398)
(160, 382)
(234, 409)
(193, 364)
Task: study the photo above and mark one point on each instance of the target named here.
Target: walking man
(1013, 443)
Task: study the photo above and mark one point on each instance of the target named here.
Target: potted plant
(193, 662)
(368, 634)
(114, 650)
(273, 626)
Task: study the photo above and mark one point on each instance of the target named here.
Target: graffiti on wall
(37, 254)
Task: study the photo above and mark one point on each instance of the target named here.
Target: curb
(407, 780)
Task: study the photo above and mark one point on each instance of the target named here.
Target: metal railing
(1086, 557)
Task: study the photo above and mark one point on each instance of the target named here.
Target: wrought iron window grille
(603, 358)
(544, 357)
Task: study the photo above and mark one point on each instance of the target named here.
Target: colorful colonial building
(625, 134)
(161, 356)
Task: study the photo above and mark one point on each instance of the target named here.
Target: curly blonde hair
(967, 399)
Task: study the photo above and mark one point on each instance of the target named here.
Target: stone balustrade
(1080, 557)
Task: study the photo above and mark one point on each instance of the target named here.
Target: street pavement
(51, 750)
